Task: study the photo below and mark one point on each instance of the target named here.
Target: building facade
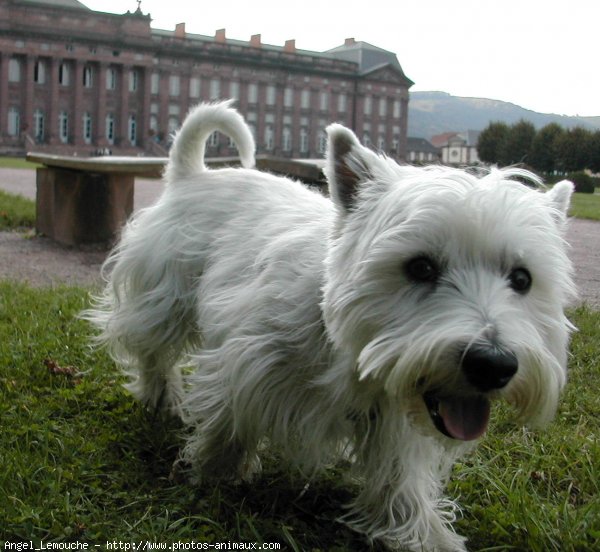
(73, 80)
(458, 148)
(420, 151)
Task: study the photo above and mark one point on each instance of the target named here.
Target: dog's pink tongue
(465, 418)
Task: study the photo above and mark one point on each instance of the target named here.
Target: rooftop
(58, 3)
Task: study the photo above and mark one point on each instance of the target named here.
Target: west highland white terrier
(378, 324)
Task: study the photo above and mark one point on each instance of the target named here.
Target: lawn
(585, 206)
(16, 212)
(16, 163)
(80, 460)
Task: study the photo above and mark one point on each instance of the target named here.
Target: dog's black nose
(487, 367)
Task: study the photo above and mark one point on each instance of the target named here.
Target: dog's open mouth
(462, 418)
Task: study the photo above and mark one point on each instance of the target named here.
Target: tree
(517, 145)
(491, 141)
(574, 149)
(544, 153)
(594, 165)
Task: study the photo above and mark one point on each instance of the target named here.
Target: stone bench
(87, 200)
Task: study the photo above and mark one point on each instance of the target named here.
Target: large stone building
(73, 80)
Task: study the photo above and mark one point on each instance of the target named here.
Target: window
(215, 89)
(63, 74)
(234, 90)
(172, 125)
(368, 105)
(382, 107)
(174, 85)
(324, 101)
(111, 79)
(14, 121)
(271, 95)
(303, 140)
(38, 125)
(87, 128)
(133, 80)
(132, 130)
(154, 83)
(63, 127)
(322, 142)
(269, 138)
(110, 128)
(381, 143)
(397, 109)
(213, 140)
(39, 72)
(14, 70)
(87, 76)
(288, 97)
(194, 87)
(253, 93)
(286, 139)
(341, 103)
(305, 99)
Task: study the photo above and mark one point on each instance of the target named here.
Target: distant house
(419, 150)
(458, 148)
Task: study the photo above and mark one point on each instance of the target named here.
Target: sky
(539, 54)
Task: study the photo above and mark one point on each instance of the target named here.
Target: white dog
(378, 324)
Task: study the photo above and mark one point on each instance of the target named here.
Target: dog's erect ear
(559, 197)
(348, 165)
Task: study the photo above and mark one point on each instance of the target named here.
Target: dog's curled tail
(187, 152)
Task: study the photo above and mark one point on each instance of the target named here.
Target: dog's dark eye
(422, 270)
(520, 280)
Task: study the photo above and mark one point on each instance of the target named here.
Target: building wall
(76, 81)
(459, 154)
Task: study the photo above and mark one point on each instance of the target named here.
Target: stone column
(27, 77)
(123, 126)
(76, 124)
(4, 60)
(51, 121)
(144, 122)
(99, 128)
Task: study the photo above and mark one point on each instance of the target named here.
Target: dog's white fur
(303, 329)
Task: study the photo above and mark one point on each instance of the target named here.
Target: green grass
(541, 491)
(16, 212)
(585, 206)
(80, 460)
(16, 163)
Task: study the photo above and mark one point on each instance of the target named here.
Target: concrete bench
(87, 200)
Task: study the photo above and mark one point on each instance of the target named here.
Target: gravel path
(41, 262)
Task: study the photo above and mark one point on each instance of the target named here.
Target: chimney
(220, 36)
(290, 46)
(350, 42)
(255, 41)
(180, 30)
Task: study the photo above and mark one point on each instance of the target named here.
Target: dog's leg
(215, 450)
(214, 453)
(147, 320)
(400, 503)
(157, 382)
